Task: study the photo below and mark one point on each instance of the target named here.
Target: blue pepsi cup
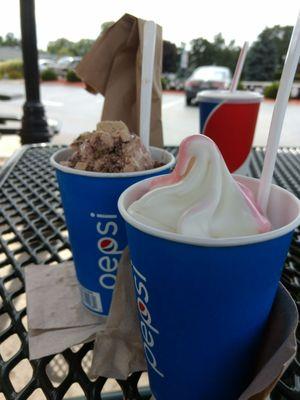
(203, 304)
(96, 230)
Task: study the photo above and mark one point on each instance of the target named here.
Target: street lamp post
(34, 123)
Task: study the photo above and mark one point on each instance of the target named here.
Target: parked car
(172, 81)
(62, 66)
(45, 63)
(208, 77)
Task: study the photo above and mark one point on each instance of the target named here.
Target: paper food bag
(278, 348)
(113, 68)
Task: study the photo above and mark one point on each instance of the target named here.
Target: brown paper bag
(278, 348)
(113, 68)
(119, 350)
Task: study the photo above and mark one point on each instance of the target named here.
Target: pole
(34, 124)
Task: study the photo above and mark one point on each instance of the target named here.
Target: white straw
(285, 86)
(147, 81)
(239, 67)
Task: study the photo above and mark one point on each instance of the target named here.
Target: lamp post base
(34, 124)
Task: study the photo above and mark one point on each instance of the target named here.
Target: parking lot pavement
(77, 111)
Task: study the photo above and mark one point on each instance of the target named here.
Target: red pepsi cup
(96, 230)
(203, 304)
(229, 119)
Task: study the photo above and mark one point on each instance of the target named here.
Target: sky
(182, 20)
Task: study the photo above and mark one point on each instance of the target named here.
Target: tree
(9, 40)
(204, 52)
(267, 54)
(64, 47)
(61, 47)
(170, 57)
(280, 36)
(82, 47)
(261, 61)
(201, 53)
(106, 25)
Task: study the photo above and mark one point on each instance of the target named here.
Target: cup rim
(209, 242)
(238, 96)
(92, 174)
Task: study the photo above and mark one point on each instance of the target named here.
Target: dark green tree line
(267, 54)
(204, 52)
(9, 40)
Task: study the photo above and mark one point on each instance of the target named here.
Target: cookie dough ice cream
(110, 148)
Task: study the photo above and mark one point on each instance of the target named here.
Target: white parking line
(172, 103)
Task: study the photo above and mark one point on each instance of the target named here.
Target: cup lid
(238, 96)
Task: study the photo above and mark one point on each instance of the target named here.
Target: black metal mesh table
(33, 230)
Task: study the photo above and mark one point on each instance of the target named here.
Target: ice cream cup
(203, 303)
(96, 230)
(229, 119)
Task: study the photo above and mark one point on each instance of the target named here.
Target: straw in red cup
(96, 229)
(204, 303)
(239, 67)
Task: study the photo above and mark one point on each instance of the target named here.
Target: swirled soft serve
(200, 197)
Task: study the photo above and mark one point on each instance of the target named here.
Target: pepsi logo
(141, 306)
(106, 244)
(109, 245)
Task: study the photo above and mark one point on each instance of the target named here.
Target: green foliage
(64, 47)
(240, 86)
(48, 75)
(12, 69)
(170, 57)
(261, 61)
(270, 92)
(72, 77)
(83, 46)
(9, 40)
(61, 47)
(164, 82)
(267, 54)
(280, 36)
(204, 52)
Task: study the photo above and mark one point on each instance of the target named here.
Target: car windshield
(65, 60)
(209, 74)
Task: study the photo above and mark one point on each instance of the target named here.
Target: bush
(72, 77)
(270, 91)
(11, 69)
(48, 75)
(165, 83)
(240, 86)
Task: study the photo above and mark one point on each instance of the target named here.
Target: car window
(64, 60)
